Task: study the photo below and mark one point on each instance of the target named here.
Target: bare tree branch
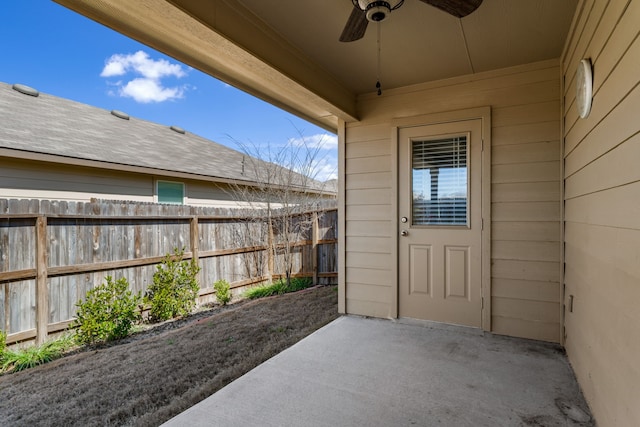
(284, 190)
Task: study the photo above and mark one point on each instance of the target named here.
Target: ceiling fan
(365, 11)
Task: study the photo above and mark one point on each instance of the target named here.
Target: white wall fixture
(584, 87)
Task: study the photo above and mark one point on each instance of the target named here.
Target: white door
(440, 226)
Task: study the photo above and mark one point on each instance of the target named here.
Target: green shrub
(3, 343)
(278, 288)
(223, 291)
(267, 290)
(174, 289)
(14, 361)
(108, 312)
(299, 283)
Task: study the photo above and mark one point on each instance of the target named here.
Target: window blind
(439, 181)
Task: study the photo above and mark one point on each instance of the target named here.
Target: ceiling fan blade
(457, 8)
(356, 26)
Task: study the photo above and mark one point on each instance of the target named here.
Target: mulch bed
(154, 375)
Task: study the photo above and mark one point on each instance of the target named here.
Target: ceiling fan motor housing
(377, 10)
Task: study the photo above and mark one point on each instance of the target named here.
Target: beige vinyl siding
(30, 179)
(525, 106)
(207, 194)
(368, 213)
(602, 210)
(27, 179)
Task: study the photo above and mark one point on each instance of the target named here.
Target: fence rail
(52, 253)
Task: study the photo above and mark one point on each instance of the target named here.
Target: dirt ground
(151, 376)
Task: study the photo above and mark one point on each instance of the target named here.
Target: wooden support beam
(42, 293)
(270, 252)
(108, 265)
(195, 239)
(314, 246)
(16, 275)
(21, 336)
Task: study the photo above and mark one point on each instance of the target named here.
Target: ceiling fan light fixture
(377, 10)
(378, 13)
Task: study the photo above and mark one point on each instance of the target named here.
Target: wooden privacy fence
(53, 252)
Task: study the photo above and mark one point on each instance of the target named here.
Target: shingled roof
(50, 125)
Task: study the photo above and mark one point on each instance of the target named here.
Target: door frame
(484, 114)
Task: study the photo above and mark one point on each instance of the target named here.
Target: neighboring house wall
(27, 179)
(525, 105)
(602, 215)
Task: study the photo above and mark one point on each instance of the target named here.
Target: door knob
(404, 233)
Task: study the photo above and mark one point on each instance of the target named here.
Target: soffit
(420, 43)
(287, 51)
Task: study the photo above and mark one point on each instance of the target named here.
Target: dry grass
(154, 375)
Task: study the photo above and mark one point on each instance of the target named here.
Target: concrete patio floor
(370, 372)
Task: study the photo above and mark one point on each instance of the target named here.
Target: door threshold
(440, 325)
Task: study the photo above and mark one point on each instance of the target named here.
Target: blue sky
(62, 53)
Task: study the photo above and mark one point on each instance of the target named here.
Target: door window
(439, 179)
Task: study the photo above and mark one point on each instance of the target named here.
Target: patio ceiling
(287, 51)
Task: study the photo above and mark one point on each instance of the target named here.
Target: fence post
(42, 295)
(195, 240)
(314, 246)
(270, 251)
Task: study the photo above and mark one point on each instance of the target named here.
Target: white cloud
(145, 83)
(113, 67)
(320, 168)
(148, 90)
(141, 63)
(323, 141)
(325, 169)
(323, 148)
